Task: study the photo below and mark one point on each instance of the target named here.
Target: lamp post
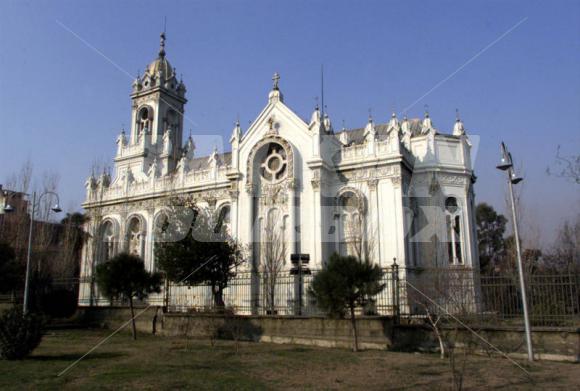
(8, 208)
(506, 165)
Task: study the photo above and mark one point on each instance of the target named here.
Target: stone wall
(374, 332)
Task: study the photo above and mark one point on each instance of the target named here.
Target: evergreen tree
(490, 232)
(344, 283)
(124, 276)
(206, 255)
(11, 273)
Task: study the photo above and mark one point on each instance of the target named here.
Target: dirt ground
(163, 363)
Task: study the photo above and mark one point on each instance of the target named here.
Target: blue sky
(62, 104)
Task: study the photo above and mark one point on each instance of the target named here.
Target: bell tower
(158, 100)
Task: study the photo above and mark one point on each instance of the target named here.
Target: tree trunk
(441, 344)
(133, 328)
(354, 330)
(218, 298)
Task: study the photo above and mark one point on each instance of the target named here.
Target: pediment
(275, 119)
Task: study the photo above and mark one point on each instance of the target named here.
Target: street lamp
(507, 165)
(8, 208)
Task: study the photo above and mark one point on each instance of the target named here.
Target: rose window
(274, 165)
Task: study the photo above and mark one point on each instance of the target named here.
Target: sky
(511, 68)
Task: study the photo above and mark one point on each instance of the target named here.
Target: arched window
(161, 233)
(351, 223)
(223, 220)
(136, 236)
(144, 119)
(171, 120)
(454, 233)
(108, 241)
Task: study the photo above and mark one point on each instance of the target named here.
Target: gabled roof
(356, 136)
(202, 162)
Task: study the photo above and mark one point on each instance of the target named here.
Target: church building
(399, 190)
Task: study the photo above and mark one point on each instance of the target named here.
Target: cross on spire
(276, 79)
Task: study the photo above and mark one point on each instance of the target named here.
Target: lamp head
(504, 164)
(56, 208)
(515, 179)
(8, 208)
(506, 159)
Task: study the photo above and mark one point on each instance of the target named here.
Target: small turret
(427, 125)
(394, 124)
(458, 128)
(327, 123)
(236, 133)
(189, 147)
(370, 131)
(315, 117)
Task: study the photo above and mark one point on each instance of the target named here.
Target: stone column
(375, 226)
(234, 213)
(399, 221)
(292, 216)
(316, 219)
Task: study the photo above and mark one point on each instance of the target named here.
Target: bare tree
(567, 167)
(438, 293)
(565, 252)
(273, 254)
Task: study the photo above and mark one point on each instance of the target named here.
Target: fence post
(166, 295)
(395, 290)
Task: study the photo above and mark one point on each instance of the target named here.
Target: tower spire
(162, 44)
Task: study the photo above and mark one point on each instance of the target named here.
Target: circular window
(274, 165)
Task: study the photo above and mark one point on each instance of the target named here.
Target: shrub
(19, 334)
(59, 303)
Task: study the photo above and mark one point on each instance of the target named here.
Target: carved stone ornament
(271, 195)
(370, 173)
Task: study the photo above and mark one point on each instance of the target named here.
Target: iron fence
(554, 298)
(250, 293)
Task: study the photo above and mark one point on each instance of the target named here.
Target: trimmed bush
(19, 334)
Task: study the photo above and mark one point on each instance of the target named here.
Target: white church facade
(403, 186)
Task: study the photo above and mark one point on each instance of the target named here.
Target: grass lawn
(175, 362)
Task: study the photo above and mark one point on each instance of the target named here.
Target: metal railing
(554, 298)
